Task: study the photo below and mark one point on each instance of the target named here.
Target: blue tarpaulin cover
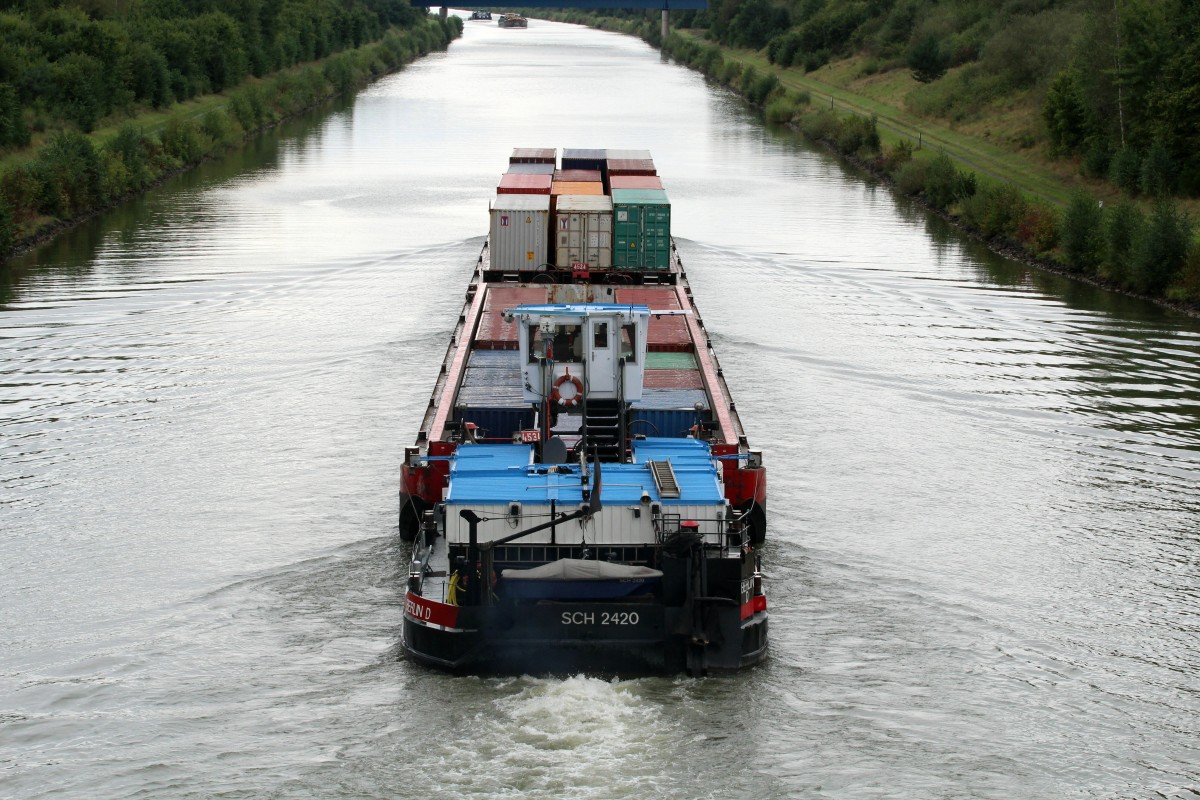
(504, 473)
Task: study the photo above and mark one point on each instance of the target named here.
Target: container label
(529, 255)
(531, 436)
(622, 216)
(503, 221)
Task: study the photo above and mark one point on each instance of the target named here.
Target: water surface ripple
(985, 482)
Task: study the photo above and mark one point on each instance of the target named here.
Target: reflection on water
(984, 479)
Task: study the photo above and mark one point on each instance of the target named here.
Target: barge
(512, 21)
(581, 496)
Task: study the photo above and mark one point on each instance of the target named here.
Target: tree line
(80, 62)
(65, 67)
(1151, 252)
(1116, 79)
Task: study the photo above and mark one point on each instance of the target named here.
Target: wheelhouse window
(628, 342)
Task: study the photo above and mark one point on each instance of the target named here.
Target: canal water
(984, 549)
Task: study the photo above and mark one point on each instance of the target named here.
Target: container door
(602, 363)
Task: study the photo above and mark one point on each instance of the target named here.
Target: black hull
(624, 639)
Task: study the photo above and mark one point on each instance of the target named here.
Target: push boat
(581, 496)
(483, 14)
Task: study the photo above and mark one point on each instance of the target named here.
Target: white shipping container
(519, 231)
(632, 155)
(583, 231)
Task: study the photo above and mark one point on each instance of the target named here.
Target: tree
(1066, 113)
(1082, 232)
(926, 59)
(13, 132)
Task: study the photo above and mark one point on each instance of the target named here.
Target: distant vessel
(512, 21)
(581, 495)
(480, 15)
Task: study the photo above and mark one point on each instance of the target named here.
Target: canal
(984, 552)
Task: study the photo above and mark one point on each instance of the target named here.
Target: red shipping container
(631, 166)
(578, 175)
(635, 182)
(533, 155)
(664, 334)
(672, 379)
(494, 333)
(524, 184)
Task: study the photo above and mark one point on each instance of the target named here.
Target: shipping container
(576, 187)
(583, 232)
(533, 155)
(524, 184)
(584, 159)
(641, 229)
(630, 166)
(583, 175)
(672, 378)
(670, 360)
(499, 422)
(519, 231)
(531, 169)
(635, 182)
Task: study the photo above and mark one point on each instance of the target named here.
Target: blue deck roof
(504, 473)
(577, 309)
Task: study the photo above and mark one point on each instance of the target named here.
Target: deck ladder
(664, 478)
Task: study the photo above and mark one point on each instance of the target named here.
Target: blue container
(585, 159)
(496, 423)
(668, 398)
(662, 422)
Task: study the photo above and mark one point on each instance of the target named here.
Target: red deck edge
(457, 364)
(700, 341)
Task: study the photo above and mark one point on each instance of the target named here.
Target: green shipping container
(641, 229)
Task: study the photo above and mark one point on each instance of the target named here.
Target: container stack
(599, 210)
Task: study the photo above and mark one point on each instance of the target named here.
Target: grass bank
(66, 176)
(991, 178)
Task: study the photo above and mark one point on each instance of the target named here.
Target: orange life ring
(568, 402)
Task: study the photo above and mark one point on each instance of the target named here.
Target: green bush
(13, 132)
(1082, 233)
(71, 175)
(782, 109)
(1097, 157)
(20, 188)
(857, 135)
(1157, 175)
(910, 176)
(1162, 252)
(995, 210)
(7, 230)
(821, 124)
(927, 60)
(761, 88)
(941, 182)
(133, 150)
(220, 128)
(182, 141)
(897, 155)
(1065, 112)
(1126, 170)
(1123, 231)
(1039, 227)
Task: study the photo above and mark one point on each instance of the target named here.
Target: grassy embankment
(65, 176)
(991, 172)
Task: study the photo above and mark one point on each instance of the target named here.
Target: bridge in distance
(664, 5)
